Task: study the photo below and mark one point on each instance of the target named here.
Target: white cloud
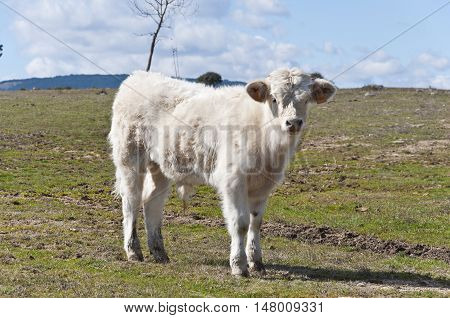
(212, 8)
(102, 32)
(207, 38)
(437, 62)
(382, 68)
(250, 19)
(232, 53)
(375, 68)
(329, 48)
(105, 32)
(271, 7)
(43, 66)
(441, 81)
(379, 68)
(259, 14)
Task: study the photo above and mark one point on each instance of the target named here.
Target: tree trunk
(155, 35)
(152, 49)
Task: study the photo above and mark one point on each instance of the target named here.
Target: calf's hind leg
(156, 190)
(130, 183)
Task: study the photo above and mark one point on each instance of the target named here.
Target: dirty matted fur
(238, 140)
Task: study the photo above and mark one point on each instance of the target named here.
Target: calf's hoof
(238, 272)
(160, 257)
(135, 257)
(257, 267)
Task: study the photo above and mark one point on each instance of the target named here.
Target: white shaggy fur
(237, 140)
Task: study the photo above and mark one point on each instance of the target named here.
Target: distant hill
(72, 81)
(78, 82)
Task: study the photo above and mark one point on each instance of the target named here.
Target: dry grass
(375, 165)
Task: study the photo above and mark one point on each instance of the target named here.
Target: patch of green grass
(60, 263)
(375, 165)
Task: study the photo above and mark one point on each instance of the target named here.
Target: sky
(239, 39)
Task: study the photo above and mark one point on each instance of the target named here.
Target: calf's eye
(274, 100)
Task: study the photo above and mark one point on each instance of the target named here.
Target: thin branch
(144, 34)
(160, 12)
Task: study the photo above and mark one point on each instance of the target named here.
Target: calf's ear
(258, 90)
(322, 90)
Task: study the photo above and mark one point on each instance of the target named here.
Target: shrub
(373, 87)
(315, 75)
(210, 79)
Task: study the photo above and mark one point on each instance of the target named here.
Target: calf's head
(288, 94)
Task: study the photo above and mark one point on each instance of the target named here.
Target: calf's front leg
(253, 247)
(236, 213)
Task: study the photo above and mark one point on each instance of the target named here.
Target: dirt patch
(330, 236)
(337, 237)
(22, 141)
(404, 151)
(402, 286)
(83, 202)
(327, 168)
(426, 146)
(325, 143)
(305, 233)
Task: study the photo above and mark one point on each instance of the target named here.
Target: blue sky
(241, 40)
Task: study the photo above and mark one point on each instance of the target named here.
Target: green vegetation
(375, 165)
(210, 79)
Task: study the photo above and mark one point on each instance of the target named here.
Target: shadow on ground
(364, 275)
(308, 273)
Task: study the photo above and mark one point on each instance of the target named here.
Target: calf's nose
(294, 124)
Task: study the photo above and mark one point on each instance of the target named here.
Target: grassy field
(375, 166)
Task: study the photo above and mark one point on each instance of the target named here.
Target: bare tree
(160, 11)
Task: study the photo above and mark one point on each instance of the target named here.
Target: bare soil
(302, 232)
(331, 236)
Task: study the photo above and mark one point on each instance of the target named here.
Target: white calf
(237, 140)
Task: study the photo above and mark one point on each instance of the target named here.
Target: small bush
(210, 79)
(373, 87)
(315, 75)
